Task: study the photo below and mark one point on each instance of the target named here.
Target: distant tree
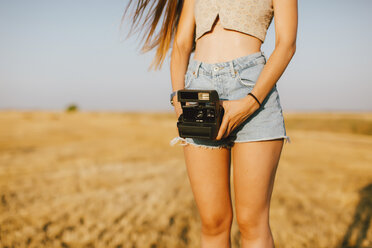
(72, 108)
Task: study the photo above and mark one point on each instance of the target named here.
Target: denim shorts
(233, 80)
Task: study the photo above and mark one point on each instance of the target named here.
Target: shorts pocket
(248, 76)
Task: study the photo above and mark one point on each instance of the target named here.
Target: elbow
(183, 44)
(293, 48)
(288, 46)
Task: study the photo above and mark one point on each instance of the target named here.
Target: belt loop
(196, 72)
(232, 70)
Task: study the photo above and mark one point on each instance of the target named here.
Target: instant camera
(202, 114)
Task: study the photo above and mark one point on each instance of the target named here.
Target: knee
(252, 225)
(215, 224)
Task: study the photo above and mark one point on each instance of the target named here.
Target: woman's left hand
(236, 112)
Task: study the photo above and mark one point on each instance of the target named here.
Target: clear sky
(53, 53)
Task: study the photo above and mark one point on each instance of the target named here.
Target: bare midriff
(220, 44)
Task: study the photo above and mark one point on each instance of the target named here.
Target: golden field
(94, 179)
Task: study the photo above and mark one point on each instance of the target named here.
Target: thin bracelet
(255, 98)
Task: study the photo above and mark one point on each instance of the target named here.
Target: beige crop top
(252, 17)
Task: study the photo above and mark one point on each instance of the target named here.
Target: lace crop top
(252, 17)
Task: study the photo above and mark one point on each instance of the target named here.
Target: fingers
(227, 131)
(223, 127)
(177, 110)
(224, 122)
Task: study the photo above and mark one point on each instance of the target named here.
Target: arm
(285, 47)
(182, 46)
(238, 111)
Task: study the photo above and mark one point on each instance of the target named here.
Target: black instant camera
(202, 114)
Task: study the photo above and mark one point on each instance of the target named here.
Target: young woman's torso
(221, 44)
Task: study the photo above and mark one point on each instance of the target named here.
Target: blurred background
(85, 159)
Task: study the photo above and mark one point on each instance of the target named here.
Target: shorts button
(215, 68)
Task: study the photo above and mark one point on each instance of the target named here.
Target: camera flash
(203, 96)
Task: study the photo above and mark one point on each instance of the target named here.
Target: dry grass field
(88, 179)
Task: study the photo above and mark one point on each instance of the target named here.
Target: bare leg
(254, 170)
(209, 174)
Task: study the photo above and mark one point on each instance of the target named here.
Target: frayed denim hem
(176, 140)
(184, 142)
(287, 139)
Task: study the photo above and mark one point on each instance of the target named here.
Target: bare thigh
(209, 175)
(254, 169)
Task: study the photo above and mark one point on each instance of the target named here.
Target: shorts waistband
(230, 65)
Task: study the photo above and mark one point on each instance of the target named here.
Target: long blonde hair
(164, 37)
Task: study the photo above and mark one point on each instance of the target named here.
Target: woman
(228, 59)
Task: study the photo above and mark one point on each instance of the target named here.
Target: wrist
(174, 97)
(250, 102)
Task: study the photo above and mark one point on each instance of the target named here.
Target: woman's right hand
(177, 106)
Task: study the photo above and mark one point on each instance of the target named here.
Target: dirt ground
(94, 179)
